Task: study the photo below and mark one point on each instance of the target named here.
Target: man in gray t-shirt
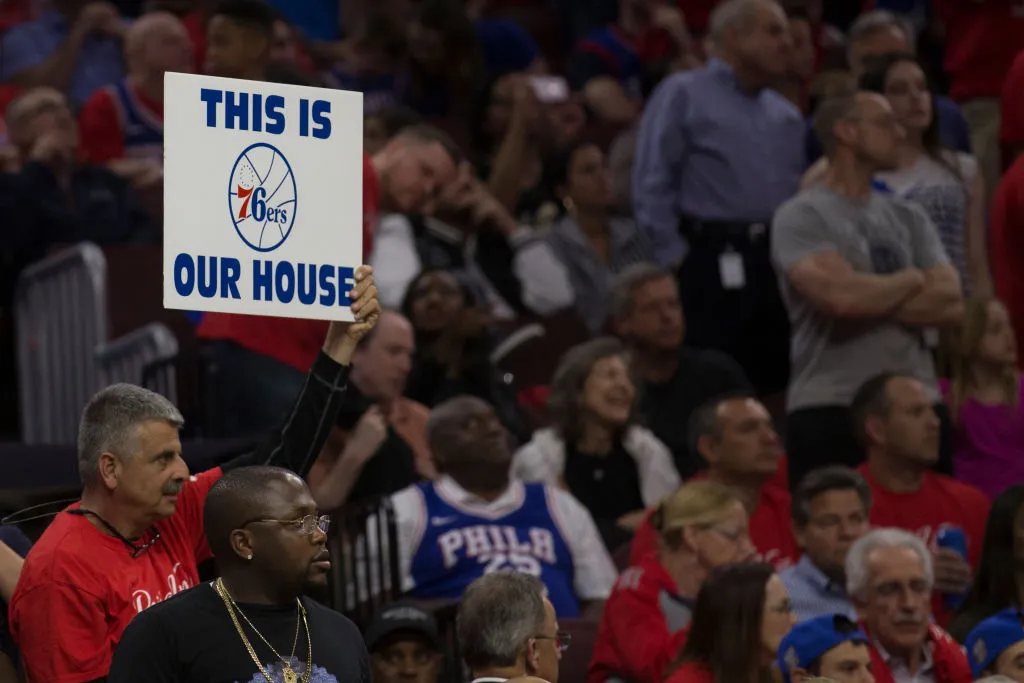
(863, 276)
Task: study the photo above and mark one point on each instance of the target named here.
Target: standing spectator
(702, 526)
(508, 628)
(404, 645)
(830, 512)
(270, 544)
(863, 275)
(593, 245)
(717, 153)
(900, 434)
(137, 535)
(889, 576)
(742, 614)
(476, 519)
(645, 312)
(126, 119)
(75, 48)
(595, 449)
(984, 393)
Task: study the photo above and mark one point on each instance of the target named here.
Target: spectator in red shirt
(900, 433)
(889, 575)
(126, 119)
(261, 360)
(701, 526)
(736, 437)
(1006, 246)
(741, 616)
(136, 538)
(1011, 131)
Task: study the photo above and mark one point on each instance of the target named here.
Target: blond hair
(960, 351)
(698, 503)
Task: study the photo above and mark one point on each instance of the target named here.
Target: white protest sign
(263, 197)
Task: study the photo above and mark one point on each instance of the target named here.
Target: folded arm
(939, 302)
(830, 284)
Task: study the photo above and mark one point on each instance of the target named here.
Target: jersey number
(526, 564)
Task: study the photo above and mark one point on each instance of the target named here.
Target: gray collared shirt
(900, 672)
(710, 150)
(813, 594)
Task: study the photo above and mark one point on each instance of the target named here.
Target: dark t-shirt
(189, 638)
(608, 486)
(701, 376)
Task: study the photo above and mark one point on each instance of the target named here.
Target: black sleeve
(728, 375)
(585, 65)
(296, 444)
(146, 652)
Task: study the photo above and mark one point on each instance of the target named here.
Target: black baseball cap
(402, 616)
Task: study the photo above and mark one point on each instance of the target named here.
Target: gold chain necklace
(289, 674)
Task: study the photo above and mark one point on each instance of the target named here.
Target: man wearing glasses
(136, 538)
(507, 628)
(251, 624)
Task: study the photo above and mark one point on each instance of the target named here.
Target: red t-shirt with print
(80, 587)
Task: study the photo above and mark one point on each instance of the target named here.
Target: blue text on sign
(236, 110)
(216, 277)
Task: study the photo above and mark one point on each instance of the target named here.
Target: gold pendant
(289, 675)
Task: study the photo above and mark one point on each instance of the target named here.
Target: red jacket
(948, 657)
(692, 672)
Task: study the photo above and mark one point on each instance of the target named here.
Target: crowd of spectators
(704, 313)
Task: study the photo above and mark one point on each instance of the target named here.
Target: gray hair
(732, 14)
(629, 279)
(110, 424)
(566, 409)
(870, 23)
(823, 480)
(857, 558)
(498, 614)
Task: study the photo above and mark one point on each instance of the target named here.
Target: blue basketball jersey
(143, 131)
(621, 58)
(458, 547)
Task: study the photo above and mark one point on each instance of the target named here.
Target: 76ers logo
(262, 197)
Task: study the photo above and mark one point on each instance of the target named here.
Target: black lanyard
(137, 549)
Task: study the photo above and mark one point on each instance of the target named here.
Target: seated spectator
(75, 47)
(125, 121)
(239, 37)
(593, 245)
(261, 361)
(608, 66)
(510, 265)
(995, 647)
(137, 535)
(984, 392)
(507, 628)
(702, 526)
(900, 433)
(741, 615)
(998, 582)
(404, 645)
(1006, 229)
(70, 201)
(645, 312)
(270, 544)
(453, 349)
(445, 58)
(595, 449)
(736, 437)
(476, 519)
(379, 444)
(384, 124)
(889, 576)
(830, 512)
(829, 645)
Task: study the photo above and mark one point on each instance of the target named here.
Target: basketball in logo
(261, 197)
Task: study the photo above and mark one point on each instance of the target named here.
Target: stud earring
(249, 556)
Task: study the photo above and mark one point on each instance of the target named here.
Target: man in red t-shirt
(261, 360)
(900, 432)
(126, 119)
(737, 438)
(1011, 131)
(1006, 245)
(136, 537)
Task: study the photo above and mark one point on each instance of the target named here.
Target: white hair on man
(732, 14)
(857, 575)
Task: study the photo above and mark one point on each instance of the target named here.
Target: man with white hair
(889, 578)
(718, 151)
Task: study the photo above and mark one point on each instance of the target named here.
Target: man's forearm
(860, 295)
(940, 302)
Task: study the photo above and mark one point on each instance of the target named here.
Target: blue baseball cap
(991, 637)
(809, 640)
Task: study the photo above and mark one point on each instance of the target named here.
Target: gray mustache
(173, 488)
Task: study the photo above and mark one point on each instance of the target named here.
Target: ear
(706, 449)
(241, 543)
(532, 656)
(874, 429)
(110, 469)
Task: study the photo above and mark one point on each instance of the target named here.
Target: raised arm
(297, 443)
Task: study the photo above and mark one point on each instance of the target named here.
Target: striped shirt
(813, 594)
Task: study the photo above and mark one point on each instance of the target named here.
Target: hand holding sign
(343, 337)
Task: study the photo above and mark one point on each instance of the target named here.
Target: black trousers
(821, 436)
(748, 323)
